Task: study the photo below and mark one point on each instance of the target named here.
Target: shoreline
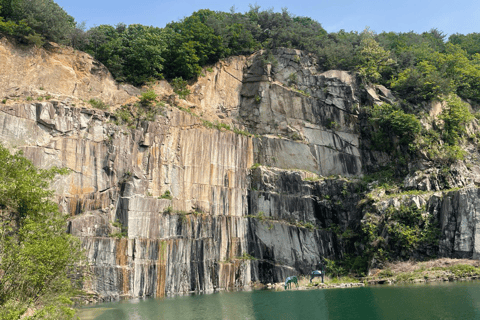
(400, 272)
(409, 272)
(279, 287)
(89, 312)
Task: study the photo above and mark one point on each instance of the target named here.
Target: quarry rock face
(184, 242)
(316, 112)
(177, 204)
(460, 223)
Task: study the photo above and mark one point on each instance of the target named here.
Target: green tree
(48, 19)
(463, 71)
(45, 20)
(407, 49)
(373, 59)
(142, 49)
(191, 45)
(134, 54)
(19, 30)
(36, 254)
(97, 38)
(455, 116)
(393, 122)
(182, 60)
(435, 39)
(10, 21)
(440, 73)
(285, 30)
(11, 9)
(423, 82)
(470, 42)
(338, 51)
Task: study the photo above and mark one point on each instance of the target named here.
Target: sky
(461, 16)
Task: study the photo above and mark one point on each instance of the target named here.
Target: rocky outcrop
(459, 216)
(216, 93)
(189, 253)
(310, 116)
(57, 71)
(432, 178)
(316, 111)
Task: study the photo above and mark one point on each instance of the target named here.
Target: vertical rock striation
(187, 243)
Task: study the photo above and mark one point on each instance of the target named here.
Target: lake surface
(458, 300)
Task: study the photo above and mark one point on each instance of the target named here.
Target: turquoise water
(460, 300)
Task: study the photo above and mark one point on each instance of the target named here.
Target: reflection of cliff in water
(424, 301)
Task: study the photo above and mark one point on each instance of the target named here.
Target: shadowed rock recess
(173, 205)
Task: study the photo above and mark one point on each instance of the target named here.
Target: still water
(460, 300)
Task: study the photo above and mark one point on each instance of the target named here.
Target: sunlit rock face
(179, 203)
(117, 179)
(307, 115)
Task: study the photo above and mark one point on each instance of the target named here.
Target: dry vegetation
(444, 269)
(411, 266)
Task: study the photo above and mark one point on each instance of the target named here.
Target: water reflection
(427, 301)
(290, 305)
(431, 301)
(351, 303)
(237, 305)
(91, 313)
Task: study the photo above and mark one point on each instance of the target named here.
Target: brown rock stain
(161, 268)
(226, 276)
(85, 202)
(121, 261)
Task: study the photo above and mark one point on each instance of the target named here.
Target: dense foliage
(393, 122)
(418, 67)
(132, 53)
(36, 253)
(402, 134)
(399, 233)
(36, 21)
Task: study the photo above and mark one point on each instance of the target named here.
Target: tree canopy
(36, 20)
(132, 53)
(36, 253)
(418, 67)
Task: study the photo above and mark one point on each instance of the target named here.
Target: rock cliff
(191, 201)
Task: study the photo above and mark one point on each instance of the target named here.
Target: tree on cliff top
(373, 59)
(133, 53)
(44, 19)
(36, 254)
